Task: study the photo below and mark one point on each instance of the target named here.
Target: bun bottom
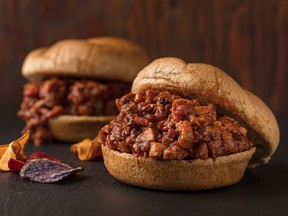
(71, 128)
(176, 174)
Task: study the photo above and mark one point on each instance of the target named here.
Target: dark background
(246, 38)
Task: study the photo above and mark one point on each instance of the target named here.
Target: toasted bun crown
(101, 58)
(210, 83)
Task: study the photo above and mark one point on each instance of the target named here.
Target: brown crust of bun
(103, 58)
(70, 128)
(212, 84)
(176, 174)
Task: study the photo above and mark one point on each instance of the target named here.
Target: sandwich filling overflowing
(66, 96)
(164, 126)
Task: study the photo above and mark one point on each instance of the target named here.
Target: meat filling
(164, 126)
(70, 96)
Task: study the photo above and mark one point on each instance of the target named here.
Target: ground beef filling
(70, 96)
(161, 125)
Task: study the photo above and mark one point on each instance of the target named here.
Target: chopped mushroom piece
(156, 150)
(146, 135)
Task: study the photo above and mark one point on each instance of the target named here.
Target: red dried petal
(39, 155)
(15, 165)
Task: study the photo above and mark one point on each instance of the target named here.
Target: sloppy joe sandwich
(187, 127)
(73, 86)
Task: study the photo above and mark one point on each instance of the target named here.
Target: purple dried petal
(46, 171)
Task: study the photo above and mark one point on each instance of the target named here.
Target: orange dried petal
(9, 153)
(16, 147)
(87, 149)
(24, 138)
(3, 149)
(14, 150)
(22, 141)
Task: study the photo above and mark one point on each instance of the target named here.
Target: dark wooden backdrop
(246, 38)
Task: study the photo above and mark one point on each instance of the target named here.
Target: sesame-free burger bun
(176, 174)
(73, 128)
(102, 58)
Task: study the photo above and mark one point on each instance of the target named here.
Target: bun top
(212, 84)
(103, 58)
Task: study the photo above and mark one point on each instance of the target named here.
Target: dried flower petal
(14, 150)
(3, 148)
(15, 165)
(46, 171)
(22, 141)
(11, 152)
(87, 149)
(39, 155)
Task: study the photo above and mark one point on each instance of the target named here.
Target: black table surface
(262, 191)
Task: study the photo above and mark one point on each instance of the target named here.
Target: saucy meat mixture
(70, 96)
(161, 125)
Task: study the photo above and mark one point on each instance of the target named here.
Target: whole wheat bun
(213, 85)
(71, 128)
(102, 58)
(176, 174)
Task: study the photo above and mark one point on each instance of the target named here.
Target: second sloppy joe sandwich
(187, 127)
(73, 85)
